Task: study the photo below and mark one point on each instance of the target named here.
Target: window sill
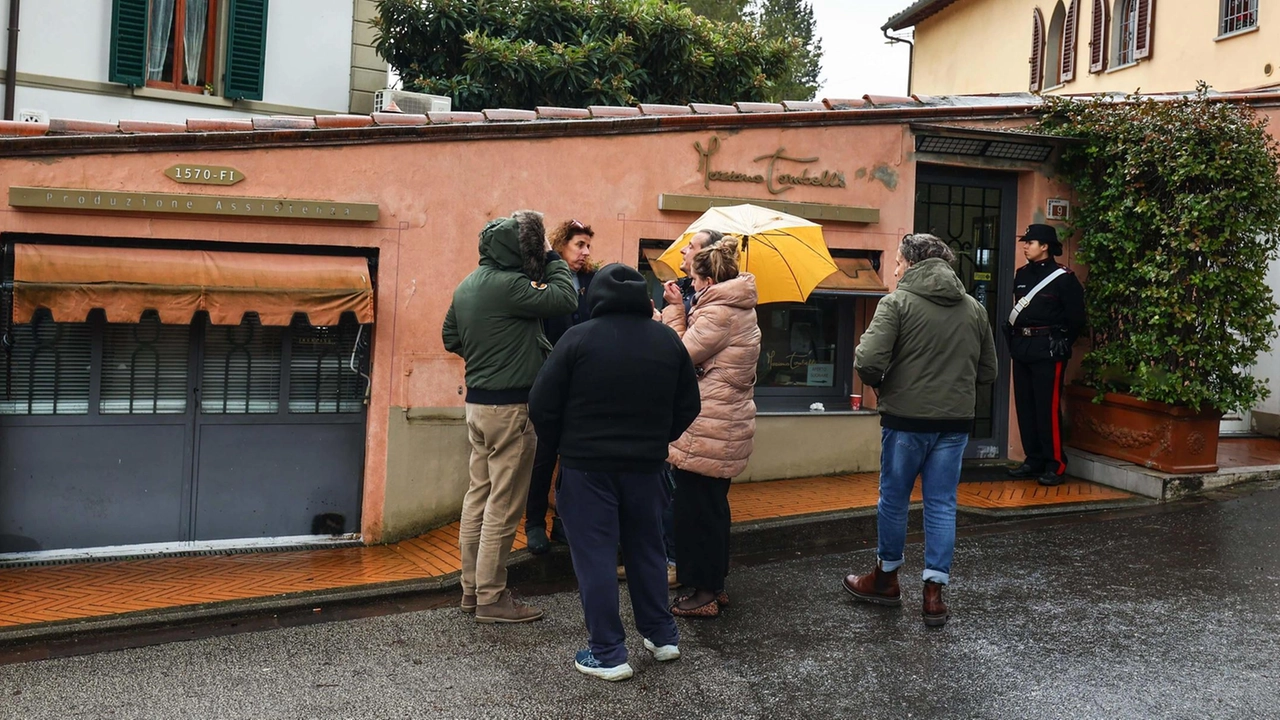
(1237, 33)
(799, 413)
(1118, 68)
(182, 97)
(1059, 86)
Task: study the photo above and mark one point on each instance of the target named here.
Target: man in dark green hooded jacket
(494, 323)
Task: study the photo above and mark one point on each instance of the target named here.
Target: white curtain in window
(194, 38)
(161, 24)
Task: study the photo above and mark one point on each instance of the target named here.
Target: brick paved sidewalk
(32, 596)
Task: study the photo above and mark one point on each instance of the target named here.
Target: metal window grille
(46, 368)
(1238, 15)
(144, 368)
(1128, 44)
(241, 368)
(320, 376)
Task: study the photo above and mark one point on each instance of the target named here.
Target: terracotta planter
(1169, 438)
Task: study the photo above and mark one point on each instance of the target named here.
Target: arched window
(1133, 36)
(1037, 51)
(1126, 35)
(1067, 66)
(1053, 56)
(1099, 23)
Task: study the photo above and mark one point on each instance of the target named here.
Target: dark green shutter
(246, 49)
(129, 42)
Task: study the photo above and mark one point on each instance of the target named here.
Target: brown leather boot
(935, 610)
(468, 603)
(877, 587)
(507, 609)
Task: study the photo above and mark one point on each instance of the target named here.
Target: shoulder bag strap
(1022, 304)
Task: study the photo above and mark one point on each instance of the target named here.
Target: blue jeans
(935, 458)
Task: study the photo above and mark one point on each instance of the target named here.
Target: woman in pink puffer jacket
(723, 339)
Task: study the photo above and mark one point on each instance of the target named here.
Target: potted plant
(1178, 209)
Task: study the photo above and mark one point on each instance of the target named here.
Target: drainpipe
(11, 63)
(910, 57)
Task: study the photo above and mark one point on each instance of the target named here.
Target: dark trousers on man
(599, 510)
(544, 470)
(702, 530)
(1037, 394)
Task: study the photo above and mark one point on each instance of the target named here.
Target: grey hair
(713, 237)
(918, 247)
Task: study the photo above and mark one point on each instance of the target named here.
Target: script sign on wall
(779, 175)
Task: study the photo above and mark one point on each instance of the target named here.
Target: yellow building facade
(1091, 46)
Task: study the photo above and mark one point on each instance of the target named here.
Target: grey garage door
(121, 434)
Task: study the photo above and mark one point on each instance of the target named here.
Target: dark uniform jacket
(557, 326)
(1055, 315)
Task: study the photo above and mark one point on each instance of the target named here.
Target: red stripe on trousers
(1057, 431)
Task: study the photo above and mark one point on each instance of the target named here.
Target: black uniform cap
(1045, 235)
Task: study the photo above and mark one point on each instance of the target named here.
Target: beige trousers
(502, 449)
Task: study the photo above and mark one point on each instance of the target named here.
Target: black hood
(619, 289)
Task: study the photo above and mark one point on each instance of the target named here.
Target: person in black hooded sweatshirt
(614, 392)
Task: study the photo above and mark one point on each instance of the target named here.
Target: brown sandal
(709, 610)
(722, 599)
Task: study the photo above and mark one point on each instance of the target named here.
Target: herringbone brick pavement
(97, 589)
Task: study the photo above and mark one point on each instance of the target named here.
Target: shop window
(327, 367)
(173, 44)
(144, 367)
(798, 344)
(1238, 16)
(241, 368)
(46, 368)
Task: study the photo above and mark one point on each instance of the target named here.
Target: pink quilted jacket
(723, 339)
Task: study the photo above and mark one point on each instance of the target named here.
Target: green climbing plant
(1178, 206)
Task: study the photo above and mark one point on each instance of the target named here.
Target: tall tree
(792, 21)
(524, 53)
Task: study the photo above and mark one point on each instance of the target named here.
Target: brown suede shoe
(507, 610)
(935, 611)
(877, 587)
(468, 603)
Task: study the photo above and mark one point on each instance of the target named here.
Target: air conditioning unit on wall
(410, 102)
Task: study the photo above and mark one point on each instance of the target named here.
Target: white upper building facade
(170, 60)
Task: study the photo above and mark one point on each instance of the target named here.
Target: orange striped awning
(71, 280)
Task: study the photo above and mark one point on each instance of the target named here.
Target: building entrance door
(974, 212)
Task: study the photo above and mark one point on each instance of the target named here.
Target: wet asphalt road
(1165, 615)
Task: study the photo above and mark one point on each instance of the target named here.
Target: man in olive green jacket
(494, 323)
(927, 349)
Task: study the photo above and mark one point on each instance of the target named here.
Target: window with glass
(241, 368)
(1238, 15)
(144, 367)
(326, 367)
(1127, 32)
(181, 44)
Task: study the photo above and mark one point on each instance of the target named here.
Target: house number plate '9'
(204, 174)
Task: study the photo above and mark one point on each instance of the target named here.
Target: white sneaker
(662, 653)
(587, 664)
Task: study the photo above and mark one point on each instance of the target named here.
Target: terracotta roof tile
(883, 100)
(657, 109)
(343, 121)
(803, 105)
(446, 118)
(151, 126)
(759, 107)
(91, 127)
(23, 129)
(562, 113)
(844, 103)
(613, 111)
(713, 109)
(284, 122)
(219, 125)
(509, 115)
(395, 118)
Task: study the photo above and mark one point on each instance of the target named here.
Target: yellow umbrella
(786, 254)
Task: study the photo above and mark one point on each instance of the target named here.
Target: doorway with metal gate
(975, 213)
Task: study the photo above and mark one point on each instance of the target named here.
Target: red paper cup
(855, 402)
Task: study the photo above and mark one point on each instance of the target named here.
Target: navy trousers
(599, 510)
